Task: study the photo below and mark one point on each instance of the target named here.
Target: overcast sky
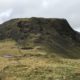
(69, 9)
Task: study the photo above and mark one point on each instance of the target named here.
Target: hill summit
(53, 35)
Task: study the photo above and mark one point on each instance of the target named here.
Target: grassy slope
(45, 61)
(34, 65)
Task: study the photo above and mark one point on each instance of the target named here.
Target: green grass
(35, 65)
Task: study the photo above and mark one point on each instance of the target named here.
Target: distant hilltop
(52, 34)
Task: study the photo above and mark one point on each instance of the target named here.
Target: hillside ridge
(52, 35)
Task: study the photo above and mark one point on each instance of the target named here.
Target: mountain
(52, 35)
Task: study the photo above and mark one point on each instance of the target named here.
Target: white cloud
(5, 15)
(45, 3)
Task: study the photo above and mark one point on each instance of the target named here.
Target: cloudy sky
(69, 9)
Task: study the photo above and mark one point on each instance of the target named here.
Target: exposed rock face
(61, 26)
(54, 34)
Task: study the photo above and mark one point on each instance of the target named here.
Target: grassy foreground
(17, 64)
